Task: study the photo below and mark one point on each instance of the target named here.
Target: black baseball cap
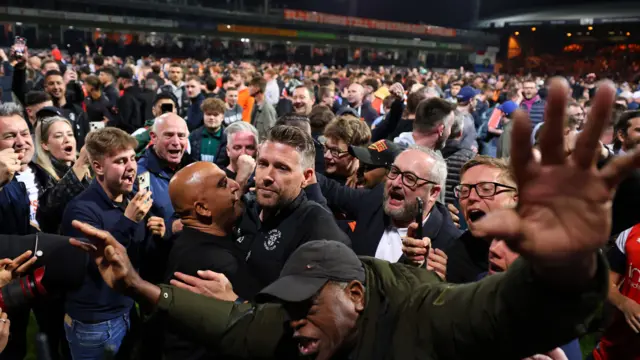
(309, 268)
(380, 153)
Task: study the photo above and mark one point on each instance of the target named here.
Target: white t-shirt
(390, 245)
(28, 178)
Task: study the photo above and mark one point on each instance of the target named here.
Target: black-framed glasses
(483, 189)
(335, 152)
(409, 179)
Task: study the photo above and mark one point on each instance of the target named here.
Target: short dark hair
(260, 83)
(299, 121)
(109, 70)
(226, 79)
(623, 123)
(431, 113)
(93, 81)
(371, 82)
(35, 98)
(296, 138)
(319, 117)
(211, 83)
(165, 95)
(98, 60)
(310, 91)
(52, 73)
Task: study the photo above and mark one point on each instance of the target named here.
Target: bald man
(170, 137)
(356, 99)
(208, 204)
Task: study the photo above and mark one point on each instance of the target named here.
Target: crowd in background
(125, 144)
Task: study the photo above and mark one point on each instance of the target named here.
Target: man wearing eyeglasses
(341, 133)
(383, 215)
(486, 184)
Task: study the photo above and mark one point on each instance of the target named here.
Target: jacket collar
(285, 211)
(96, 188)
(157, 166)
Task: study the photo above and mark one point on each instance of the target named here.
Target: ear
(153, 136)
(440, 129)
(434, 193)
(620, 136)
(355, 292)
(97, 167)
(202, 210)
(308, 174)
(44, 146)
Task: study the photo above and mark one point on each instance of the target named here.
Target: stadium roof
(587, 14)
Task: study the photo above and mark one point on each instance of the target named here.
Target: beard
(407, 213)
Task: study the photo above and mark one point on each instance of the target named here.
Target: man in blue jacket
(97, 318)
(170, 137)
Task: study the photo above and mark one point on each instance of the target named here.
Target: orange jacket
(246, 102)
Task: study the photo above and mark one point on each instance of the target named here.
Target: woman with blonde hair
(57, 155)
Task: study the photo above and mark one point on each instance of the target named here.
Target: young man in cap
(374, 160)
(340, 306)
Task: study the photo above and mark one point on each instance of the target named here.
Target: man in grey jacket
(234, 111)
(263, 116)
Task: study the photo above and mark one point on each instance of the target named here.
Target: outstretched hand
(109, 255)
(564, 204)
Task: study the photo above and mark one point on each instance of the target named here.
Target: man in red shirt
(621, 339)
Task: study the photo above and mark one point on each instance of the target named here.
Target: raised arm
(511, 315)
(243, 331)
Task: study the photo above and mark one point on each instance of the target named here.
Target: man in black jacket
(54, 86)
(382, 215)
(131, 104)
(281, 218)
(208, 204)
(107, 76)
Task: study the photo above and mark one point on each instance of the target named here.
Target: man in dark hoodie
(131, 104)
(195, 116)
(107, 78)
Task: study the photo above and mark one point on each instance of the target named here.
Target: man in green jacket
(331, 305)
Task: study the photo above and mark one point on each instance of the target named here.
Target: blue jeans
(90, 341)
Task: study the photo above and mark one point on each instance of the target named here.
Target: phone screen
(144, 182)
(20, 45)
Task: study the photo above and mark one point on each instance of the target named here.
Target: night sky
(455, 13)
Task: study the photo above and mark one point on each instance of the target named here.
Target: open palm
(564, 205)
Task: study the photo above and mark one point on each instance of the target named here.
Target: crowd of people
(379, 213)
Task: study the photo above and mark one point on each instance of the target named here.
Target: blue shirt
(95, 301)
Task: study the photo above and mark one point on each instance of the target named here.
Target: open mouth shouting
(307, 346)
(396, 198)
(127, 179)
(68, 150)
(475, 214)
